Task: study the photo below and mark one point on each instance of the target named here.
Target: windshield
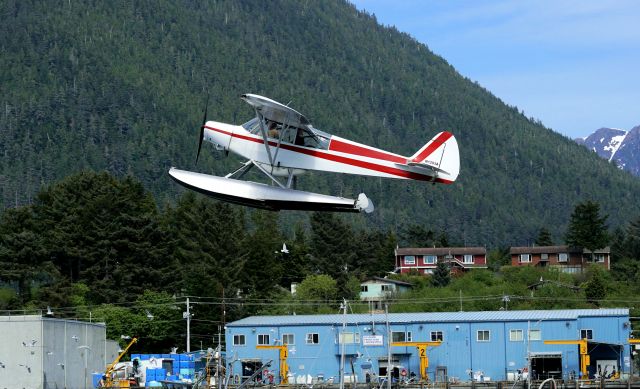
(253, 126)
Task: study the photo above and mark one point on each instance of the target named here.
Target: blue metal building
(475, 345)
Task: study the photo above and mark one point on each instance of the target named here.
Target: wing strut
(263, 131)
(242, 171)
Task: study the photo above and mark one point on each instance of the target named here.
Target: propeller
(204, 120)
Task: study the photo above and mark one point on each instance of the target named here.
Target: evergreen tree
(22, 255)
(441, 275)
(587, 228)
(595, 290)
(632, 242)
(105, 232)
(415, 235)
(544, 238)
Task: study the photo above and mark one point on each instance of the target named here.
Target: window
(468, 258)
(313, 338)
(238, 340)
(398, 336)
(535, 335)
(599, 258)
(409, 337)
(436, 336)
(544, 257)
(288, 339)
(364, 288)
(516, 335)
(263, 339)
(386, 288)
(483, 336)
(409, 260)
(430, 259)
(349, 338)
(586, 334)
(253, 126)
(563, 257)
(525, 258)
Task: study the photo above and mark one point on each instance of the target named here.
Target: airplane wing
(276, 112)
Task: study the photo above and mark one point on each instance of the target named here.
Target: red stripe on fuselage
(433, 146)
(349, 148)
(337, 158)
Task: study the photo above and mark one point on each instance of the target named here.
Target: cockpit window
(313, 138)
(253, 126)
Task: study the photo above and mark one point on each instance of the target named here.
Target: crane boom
(422, 353)
(111, 366)
(284, 368)
(585, 358)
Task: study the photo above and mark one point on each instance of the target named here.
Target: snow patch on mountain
(614, 144)
(617, 146)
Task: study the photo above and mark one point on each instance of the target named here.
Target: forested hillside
(96, 247)
(120, 86)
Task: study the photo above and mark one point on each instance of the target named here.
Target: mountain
(620, 146)
(120, 86)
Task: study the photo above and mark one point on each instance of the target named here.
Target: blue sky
(572, 64)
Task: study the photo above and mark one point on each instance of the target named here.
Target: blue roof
(427, 317)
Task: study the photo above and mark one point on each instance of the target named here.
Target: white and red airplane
(281, 142)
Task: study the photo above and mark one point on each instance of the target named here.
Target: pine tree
(544, 238)
(595, 290)
(587, 228)
(441, 276)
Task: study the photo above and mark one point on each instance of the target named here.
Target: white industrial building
(42, 352)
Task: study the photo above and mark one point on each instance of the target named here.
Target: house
(478, 346)
(377, 290)
(424, 260)
(566, 258)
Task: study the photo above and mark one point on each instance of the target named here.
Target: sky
(572, 64)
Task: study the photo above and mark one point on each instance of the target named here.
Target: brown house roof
(441, 250)
(555, 250)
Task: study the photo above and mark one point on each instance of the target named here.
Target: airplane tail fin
(441, 155)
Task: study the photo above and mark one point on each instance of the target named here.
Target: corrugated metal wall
(50, 353)
(498, 354)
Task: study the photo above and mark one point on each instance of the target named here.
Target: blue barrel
(95, 379)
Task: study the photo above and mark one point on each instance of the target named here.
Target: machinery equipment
(422, 353)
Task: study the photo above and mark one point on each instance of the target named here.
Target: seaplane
(282, 144)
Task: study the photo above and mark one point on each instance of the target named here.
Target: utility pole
(219, 360)
(187, 315)
(389, 366)
(342, 341)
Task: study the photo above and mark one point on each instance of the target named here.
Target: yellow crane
(422, 353)
(585, 359)
(284, 353)
(109, 382)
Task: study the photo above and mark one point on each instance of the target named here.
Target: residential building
(566, 258)
(377, 290)
(425, 259)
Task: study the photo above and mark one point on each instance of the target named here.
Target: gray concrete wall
(20, 352)
(43, 353)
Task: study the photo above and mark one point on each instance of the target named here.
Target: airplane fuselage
(338, 155)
